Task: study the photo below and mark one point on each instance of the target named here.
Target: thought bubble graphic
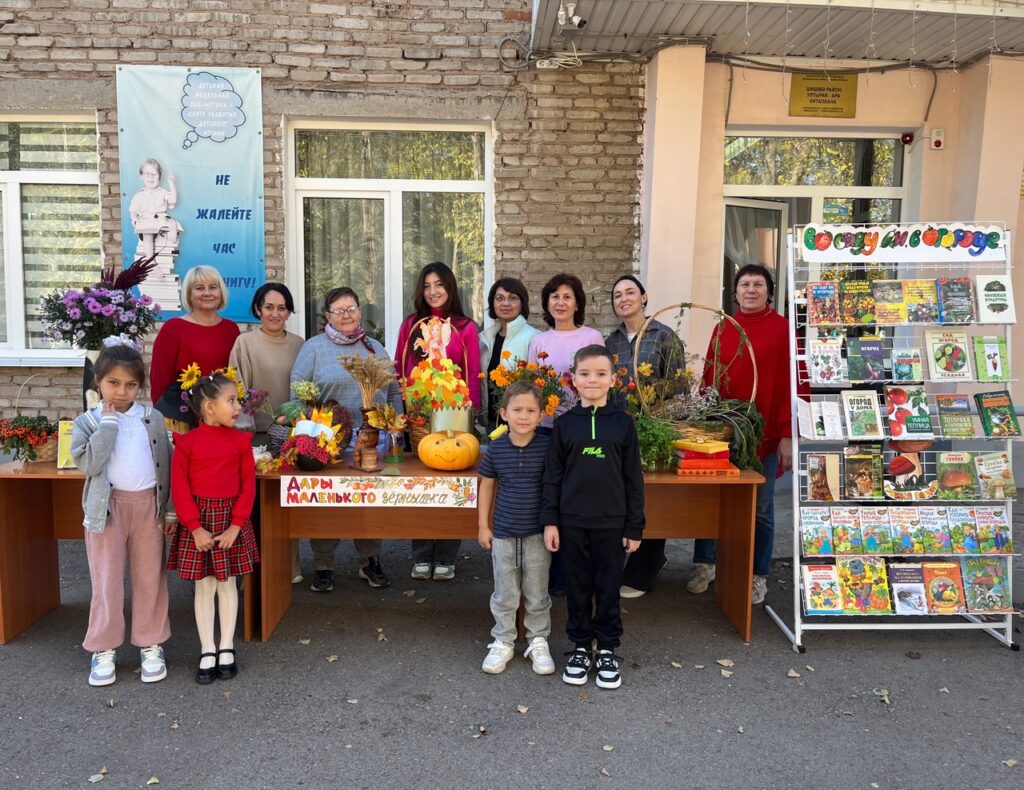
(210, 106)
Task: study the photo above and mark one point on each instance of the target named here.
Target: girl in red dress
(213, 486)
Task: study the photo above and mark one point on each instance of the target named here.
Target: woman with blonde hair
(201, 336)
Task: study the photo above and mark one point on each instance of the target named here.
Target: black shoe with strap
(206, 675)
(373, 574)
(577, 667)
(226, 671)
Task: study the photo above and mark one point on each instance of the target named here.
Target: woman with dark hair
(437, 294)
(565, 308)
(768, 334)
(343, 335)
(663, 351)
(263, 358)
(508, 305)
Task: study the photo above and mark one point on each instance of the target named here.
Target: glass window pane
(861, 210)
(351, 153)
(47, 145)
(343, 245)
(3, 277)
(447, 227)
(813, 161)
(60, 228)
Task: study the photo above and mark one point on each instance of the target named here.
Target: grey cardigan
(92, 441)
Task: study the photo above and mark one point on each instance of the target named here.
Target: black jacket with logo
(592, 476)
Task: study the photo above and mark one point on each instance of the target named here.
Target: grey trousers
(520, 570)
(324, 548)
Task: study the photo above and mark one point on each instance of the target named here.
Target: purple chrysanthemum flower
(93, 306)
(74, 313)
(108, 309)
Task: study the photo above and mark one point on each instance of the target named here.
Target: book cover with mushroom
(907, 479)
(955, 472)
(995, 476)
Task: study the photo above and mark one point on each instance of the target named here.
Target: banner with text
(190, 142)
(941, 242)
(336, 491)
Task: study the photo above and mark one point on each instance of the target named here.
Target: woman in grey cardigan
(344, 335)
(663, 350)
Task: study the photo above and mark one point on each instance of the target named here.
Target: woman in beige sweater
(264, 357)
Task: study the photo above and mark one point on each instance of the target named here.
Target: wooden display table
(40, 505)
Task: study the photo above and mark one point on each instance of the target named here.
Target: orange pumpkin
(449, 451)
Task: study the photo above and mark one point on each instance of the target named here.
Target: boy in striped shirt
(516, 542)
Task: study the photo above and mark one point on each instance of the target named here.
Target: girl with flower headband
(213, 485)
(122, 448)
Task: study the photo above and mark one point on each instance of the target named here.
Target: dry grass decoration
(371, 373)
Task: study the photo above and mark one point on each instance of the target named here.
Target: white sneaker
(760, 589)
(153, 666)
(421, 570)
(297, 578)
(701, 579)
(444, 573)
(101, 670)
(540, 654)
(625, 591)
(498, 656)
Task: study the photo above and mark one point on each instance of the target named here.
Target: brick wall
(567, 143)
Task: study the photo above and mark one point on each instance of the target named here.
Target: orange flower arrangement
(542, 376)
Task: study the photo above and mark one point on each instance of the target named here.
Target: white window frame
(390, 190)
(14, 352)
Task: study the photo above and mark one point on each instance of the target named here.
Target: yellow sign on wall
(823, 96)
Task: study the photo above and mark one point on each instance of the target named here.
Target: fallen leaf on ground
(409, 593)
(1009, 763)
(677, 665)
(944, 690)
(808, 667)
(104, 770)
(584, 696)
(883, 693)
(726, 673)
(175, 724)
(226, 694)
(608, 747)
(304, 641)
(111, 703)
(792, 674)
(604, 772)
(739, 730)
(352, 701)
(380, 635)
(152, 781)
(698, 666)
(913, 654)
(522, 708)
(331, 659)
(96, 778)
(725, 662)
(418, 600)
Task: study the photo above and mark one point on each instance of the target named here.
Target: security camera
(574, 19)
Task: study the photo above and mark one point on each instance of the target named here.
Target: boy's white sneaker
(540, 655)
(607, 665)
(101, 670)
(153, 666)
(421, 570)
(701, 579)
(498, 656)
(760, 590)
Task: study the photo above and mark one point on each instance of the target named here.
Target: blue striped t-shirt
(519, 471)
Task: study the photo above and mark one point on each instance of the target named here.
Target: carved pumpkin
(449, 451)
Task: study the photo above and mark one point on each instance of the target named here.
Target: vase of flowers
(83, 318)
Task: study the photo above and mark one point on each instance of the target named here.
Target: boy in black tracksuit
(592, 510)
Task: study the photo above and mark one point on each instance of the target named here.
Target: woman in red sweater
(437, 294)
(201, 336)
(768, 333)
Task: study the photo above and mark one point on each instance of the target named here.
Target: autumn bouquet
(553, 386)
(82, 318)
(25, 437)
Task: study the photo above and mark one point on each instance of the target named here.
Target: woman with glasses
(263, 358)
(508, 305)
(343, 335)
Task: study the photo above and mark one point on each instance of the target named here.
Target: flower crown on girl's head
(192, 375)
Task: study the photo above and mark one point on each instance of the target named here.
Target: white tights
(226, 593)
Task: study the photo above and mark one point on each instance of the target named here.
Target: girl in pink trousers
(122, 448)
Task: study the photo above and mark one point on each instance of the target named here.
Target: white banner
(393, 491)
(949, 242)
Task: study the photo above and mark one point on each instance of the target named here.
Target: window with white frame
(49, 226)
(372, 204)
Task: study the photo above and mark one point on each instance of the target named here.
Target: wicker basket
(45, 453)
(417, 433)
(277, 435)
(706, 430)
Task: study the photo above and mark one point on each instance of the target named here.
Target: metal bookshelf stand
(837, 265)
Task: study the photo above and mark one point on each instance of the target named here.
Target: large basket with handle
(47, 451)
(704, 430)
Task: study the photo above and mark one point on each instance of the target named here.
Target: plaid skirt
(193, 564)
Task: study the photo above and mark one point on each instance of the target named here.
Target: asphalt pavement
(383, 689)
